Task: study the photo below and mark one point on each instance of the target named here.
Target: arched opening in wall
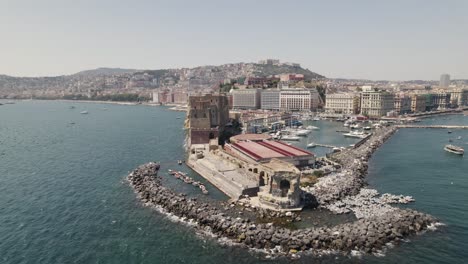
(255, 170)
(211, 135)
(250, 169)
(284, 187)
(261, 179)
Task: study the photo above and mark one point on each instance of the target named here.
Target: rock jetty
(351, 178)
(368, 235)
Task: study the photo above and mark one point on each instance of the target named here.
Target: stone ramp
(219, 179)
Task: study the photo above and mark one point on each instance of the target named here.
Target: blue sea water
(64, 199)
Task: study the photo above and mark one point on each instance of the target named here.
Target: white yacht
(356, 134)
(84, 112)
(454, 149)
(302, 132)
(290, 138)
(312, 128)
(311, 145)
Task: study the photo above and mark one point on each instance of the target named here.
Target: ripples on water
(63, 197)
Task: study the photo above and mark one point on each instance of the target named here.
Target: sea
(64, 197)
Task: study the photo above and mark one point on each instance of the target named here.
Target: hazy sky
(394, 39)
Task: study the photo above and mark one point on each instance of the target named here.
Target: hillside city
(262, 93)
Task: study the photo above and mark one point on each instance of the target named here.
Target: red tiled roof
(295, 151)
(269, 149)
(257, 151)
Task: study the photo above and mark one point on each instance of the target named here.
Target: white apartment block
(376, 103)
(342, 103)
(246, 99)
(299, 99)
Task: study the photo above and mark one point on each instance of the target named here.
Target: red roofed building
(262, 149)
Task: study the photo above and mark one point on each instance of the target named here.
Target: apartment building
(418, 103)
(299, 99)
(402, 104)
(459, 97)
(246, 99)
(270, 100)
(342, 103)
(376, 103)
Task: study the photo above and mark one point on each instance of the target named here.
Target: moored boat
(454, 149)
(356, 134)
(302, 132)
(290, 138)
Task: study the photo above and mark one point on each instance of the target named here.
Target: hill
(264, 70)
(105, 71)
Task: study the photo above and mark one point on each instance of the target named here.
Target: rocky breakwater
(366, 235)
(351, 178)
(367, 204)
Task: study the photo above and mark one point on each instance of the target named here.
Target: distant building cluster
(277, 62)
(374, 102)
(289, 99)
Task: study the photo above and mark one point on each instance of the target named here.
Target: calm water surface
(63, 198)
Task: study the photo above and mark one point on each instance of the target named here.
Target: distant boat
(290, 138)
(367, 128)
(316, 118)
(84, 112)
(336, 150)
(356, 134)
(311, 145)
(459, 137)
(72, 107)
(302, 132)
(179, 162)
(450, 131)
(178, 117)
(72, 123)
(312, 128)
(454, 149)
